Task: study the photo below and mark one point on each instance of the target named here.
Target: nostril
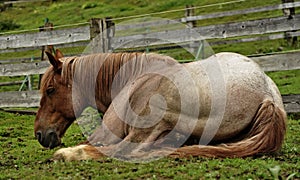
(39, 136)
(52, 134)
(52, 139)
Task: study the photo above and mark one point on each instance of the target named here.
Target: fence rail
(221, 31)
(19, 99)
(279, 62)
(38, 39)
(276, 62)
(242, 12)
(291, 103)
(23, 69)
(32, 99)
(163, 32)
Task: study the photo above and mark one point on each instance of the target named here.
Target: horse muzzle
(48, 139)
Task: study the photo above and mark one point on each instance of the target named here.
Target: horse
(153, 106)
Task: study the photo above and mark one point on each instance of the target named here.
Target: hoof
(76, 153)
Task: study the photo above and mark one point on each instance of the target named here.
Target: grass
(288, 82)
(81, 11)
(21, 157)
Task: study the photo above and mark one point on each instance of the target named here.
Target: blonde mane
(104, 66)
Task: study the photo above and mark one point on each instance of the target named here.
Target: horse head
(55, 113)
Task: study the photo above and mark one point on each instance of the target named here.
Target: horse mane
(46, 79)
(48, 76)
(105, 66)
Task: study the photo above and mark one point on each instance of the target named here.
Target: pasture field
(21, 157)
(80, 11)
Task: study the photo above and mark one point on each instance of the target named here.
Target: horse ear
(54, 61)
(58, 54)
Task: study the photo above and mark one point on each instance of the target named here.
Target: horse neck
(94, 77)
(116, 72)
(103, 76)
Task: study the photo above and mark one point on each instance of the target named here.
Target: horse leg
(103, 136)
(139, 143)
(155, 137)
(122, 149)
(145, 143)
(100, 137)
(80, 152)
(109, 133)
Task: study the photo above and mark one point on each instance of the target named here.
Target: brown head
(56, 113)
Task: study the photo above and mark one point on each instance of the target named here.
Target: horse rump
(266, 135)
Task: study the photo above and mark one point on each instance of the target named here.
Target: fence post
(190, 11)
(101, 33)
(48, 26)
(197, 47)
(110, 29)
(290, 12)
(94, 31)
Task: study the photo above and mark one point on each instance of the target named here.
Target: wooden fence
(163, 32)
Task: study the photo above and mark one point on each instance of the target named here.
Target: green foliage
(8, 25)
(88, 5)
(288, 82)
(82, 10)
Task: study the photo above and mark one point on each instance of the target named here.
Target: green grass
(288, 82)
(34, 83)
(81, 11)
(258, 47)
(32, 15)
(21, 157)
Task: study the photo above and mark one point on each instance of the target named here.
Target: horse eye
(50, 91)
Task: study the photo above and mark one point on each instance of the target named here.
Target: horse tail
(266, 135)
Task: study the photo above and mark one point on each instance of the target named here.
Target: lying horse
(224, 106)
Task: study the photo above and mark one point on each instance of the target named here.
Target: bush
(88, 5)
(8, 25)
